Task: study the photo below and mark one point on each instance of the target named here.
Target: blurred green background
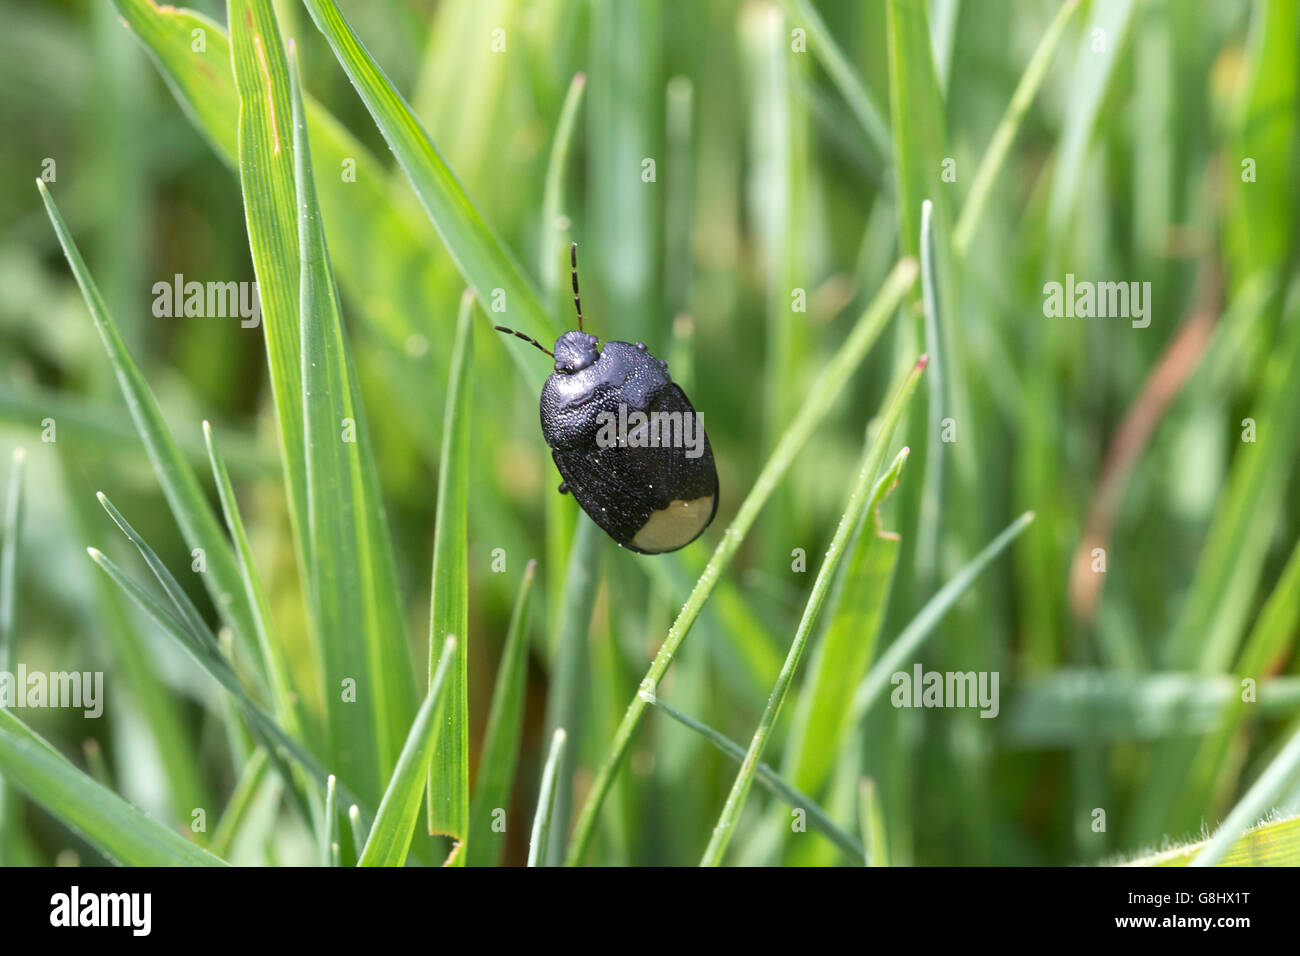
(775, 169)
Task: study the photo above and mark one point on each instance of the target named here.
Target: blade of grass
(801, 13)
(330, 831)
(911, 638)
(117, 829)
(9, 537)
(241, 800)
(821, 398)
(1269, 844)
(995, 154)
(484, 261)
(390, 835)
(449, 772)
(188, 504)
(566, 703)
(496, 769)
(542, 826)
(1278, 780)
(354, 599)
(872, 821)
(770, 779)
(861, 496)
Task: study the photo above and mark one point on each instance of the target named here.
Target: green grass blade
(241, 801)
(1005, 134)
(872, 821)
(1269, 844)
(496, 769)
(537, 845)
(566, 704)
(354, 598)
(390, 835)
(330, 832)
(279, 676)
(9, 537)
(1276, 784)
(266, 175)
(383, 251)
(821, 398)
(484, 261)
(770, 779)
(117, 829)
(861, 496)
(449, 772)
(181, 488)
(801, 13)
(919, 628)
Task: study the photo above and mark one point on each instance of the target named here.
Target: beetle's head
(574, 351)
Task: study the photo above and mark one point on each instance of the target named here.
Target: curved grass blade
(496, 769)
(449, 772)
(542, 825)
(861, 496)
(770, 779)
(1270, 844)
(390, 835)
(820, 398)
(118, 830)
(354, 598)
(479, 254)
(330, 833)
(188, 504)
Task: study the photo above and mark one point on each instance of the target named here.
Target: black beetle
(627, 441)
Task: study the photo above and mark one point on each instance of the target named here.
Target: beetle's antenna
(520, 335)
(577, 302)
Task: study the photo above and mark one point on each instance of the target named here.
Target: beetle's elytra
(627, 441)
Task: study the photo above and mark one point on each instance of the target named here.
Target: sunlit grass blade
(932, 296)
(357, 829)
(188, 504)
(1276, 843)
(872, 821)
(449, 772)
(117, 829)
(770, 779)
(995, 154)
(354, 599)
(821, 397)
(913, 636)
(1276, 785)
(866, 491)
(481, 257)
(390, 834)
(542, 826)
(496, 769)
